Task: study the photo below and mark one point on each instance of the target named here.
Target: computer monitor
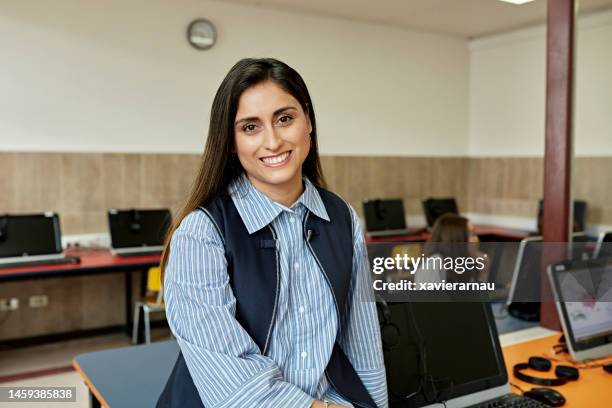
(580, 215)
(29, 236)
(603, 248)
(583, 294)
(524, 296)
(138, 230)
(435, 207)
(432, 342)
(384, 215)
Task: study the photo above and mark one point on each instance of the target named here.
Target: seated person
(449, 238)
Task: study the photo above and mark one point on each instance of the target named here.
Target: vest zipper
(276, 295)
(335, 303)
(323, 271)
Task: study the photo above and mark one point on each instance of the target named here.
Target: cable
(516, 386)
(426, 378)
(428, 385)
(588, 364)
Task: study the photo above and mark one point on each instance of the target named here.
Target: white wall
(507, 91)
(119, 76)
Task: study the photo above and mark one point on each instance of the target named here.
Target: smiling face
(272, 139)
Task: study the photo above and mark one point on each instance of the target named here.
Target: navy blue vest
(254, 272)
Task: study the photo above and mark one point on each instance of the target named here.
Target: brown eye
(285, 119)
(249, 128)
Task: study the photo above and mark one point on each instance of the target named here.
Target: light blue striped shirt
(226, 365)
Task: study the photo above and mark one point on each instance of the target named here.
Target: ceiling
(466, 18)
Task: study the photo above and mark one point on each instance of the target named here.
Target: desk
(593, 388)
(135, 376)
(92, 262)
(131, 377)
(485, 232)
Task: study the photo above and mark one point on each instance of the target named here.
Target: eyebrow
(276, 112)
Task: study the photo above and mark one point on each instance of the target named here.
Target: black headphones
(564, 373)
(3, 227)
(389, 332)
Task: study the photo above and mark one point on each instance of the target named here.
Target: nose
(272, 141)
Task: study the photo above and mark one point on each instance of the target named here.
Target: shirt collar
(257, 210)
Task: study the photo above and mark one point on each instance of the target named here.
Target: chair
(154, 303)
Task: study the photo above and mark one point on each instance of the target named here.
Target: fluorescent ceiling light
(516, 1)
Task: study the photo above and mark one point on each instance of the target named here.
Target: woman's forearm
(321, 404)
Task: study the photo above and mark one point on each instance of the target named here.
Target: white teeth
(276, 159)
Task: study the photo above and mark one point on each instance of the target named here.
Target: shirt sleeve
(226, 365)
(361, 338)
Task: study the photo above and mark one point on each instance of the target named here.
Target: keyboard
(511, 401)
(39, 262)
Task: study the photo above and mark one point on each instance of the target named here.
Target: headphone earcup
(539, 363)
(390, 336)
(567, 372)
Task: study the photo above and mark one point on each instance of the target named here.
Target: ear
(308, 118)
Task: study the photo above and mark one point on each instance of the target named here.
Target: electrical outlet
(38, 301)
(9, 304)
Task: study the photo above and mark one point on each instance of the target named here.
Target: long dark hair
(450, 237)
(219, 165)
(448, 229)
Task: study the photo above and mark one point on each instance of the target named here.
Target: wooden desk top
(91, 261)
(593, 389)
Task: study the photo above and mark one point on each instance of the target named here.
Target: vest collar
(257, 210)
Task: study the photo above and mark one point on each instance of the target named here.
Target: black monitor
(27, 235)
(455, 345)
(435, 207)
(138, 230)
(580, 215)
(384, 215)
(604, 245)
(524, 296)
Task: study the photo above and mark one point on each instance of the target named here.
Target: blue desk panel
(130, 376)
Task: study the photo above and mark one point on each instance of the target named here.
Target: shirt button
(304, 354)
(301, 309)
(296, 265)
(291, 219)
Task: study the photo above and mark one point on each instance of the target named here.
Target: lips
(277, 160)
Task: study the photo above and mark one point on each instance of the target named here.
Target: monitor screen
(585, 291)
(459, 364)
(138, 228)
(29, 234)
(384, 215)
(435, 207)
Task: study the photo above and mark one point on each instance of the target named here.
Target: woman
(266, 274)
(452, 236)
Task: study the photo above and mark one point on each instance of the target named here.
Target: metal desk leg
(129, 308)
